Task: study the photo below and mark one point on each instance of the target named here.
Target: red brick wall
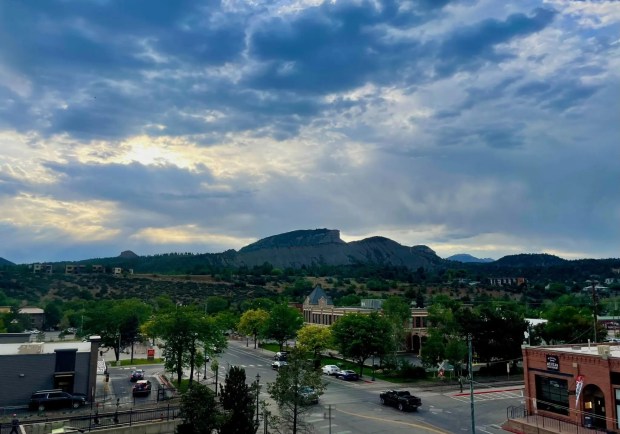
(595, 369)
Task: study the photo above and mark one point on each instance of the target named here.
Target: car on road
(308, 395)
(55, 399)
(280, 357)
(136, 375)
(330, 369)
(278, 364)
(141, 388)
(348, 375)
(401, 399)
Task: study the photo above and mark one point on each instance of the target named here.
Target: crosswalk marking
(490, 396)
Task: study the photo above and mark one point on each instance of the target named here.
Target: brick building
(318, 308)
(576, 384)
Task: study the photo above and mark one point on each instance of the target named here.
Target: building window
(552, 394)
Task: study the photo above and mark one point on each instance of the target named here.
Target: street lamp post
(373, 366)
(257, 395)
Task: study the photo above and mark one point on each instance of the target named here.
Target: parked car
(401, 399)
(348, 375)
(330, 369)
(55, 399)
(281, 357)
(136, 375)
(278, 364)
(308, 395)
(141, 388)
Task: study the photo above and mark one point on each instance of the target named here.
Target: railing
(98, 419)
(521, 415)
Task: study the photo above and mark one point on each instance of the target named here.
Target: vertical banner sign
(578, 387)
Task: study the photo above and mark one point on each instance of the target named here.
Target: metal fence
(102, 419)
(520, 414)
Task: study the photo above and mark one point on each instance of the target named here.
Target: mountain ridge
(467, 258)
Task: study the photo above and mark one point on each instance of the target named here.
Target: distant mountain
(530, 260)
(466, 258)
(5, 262)
(128, 254)
(324, 246)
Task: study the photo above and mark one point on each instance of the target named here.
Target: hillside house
(507, 281)
(42, 268)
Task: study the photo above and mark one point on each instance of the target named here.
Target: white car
(278, 364)
(330, 369)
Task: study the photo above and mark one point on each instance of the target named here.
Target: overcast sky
(487, 127)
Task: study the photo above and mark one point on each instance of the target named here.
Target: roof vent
(603, 350)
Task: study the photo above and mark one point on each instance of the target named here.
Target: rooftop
(597, 349)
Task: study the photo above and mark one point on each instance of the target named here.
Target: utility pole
(471, 385)
(594, 308)
(257, 396)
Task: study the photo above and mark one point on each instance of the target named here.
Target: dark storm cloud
(116, 182)
(473, 45)
(335, 46)
(133, 65)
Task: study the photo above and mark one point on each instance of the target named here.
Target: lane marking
(411, 424)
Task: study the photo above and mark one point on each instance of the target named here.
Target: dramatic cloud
(473, 126)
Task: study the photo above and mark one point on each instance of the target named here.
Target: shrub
(407, 370)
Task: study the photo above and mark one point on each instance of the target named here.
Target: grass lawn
(128, 362)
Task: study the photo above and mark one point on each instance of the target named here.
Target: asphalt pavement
(354, 407)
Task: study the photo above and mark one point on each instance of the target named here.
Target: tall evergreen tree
(238, 401)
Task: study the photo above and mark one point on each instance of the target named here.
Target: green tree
(349, 300)
(53, 313)
(497, 331)
(253, 322)
(283, 323)
(116, 321)
(216, 304)
(567, 324)
(263, 303)
(184, 330)
(227, 320)
(359, 336)
(287, 392)
(434, 348)
(396, 309)
(314, 339)
(238, 402)
(200, 412)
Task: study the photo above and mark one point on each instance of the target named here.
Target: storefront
(578, 384)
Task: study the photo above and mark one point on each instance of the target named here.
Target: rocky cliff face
(324, 246)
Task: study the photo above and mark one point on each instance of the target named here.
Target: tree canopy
(253, 323)
(283, 323)
(359, 336)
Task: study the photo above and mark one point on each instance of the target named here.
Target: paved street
(354, 406)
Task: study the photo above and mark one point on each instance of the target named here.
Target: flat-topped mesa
(300, 238)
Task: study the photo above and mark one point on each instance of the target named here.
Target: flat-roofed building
(35, 315)
(576, 385)
(26, 367)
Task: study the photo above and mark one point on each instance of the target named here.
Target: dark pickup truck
(401, 399)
